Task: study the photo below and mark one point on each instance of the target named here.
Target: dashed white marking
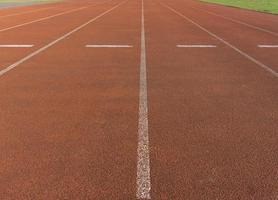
(9, 68)
(143, 160)
(195, 46)
(265, 67)
(267, 46)
(16, 45)
(108, 46)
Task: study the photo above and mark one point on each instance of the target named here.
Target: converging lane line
(254, 60)
(51, 16)
(23, 13)
(108, 46)
(240, 22)
(28, 57)
(43, 19)
(143, 160)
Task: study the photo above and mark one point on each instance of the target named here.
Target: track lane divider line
(195, 46)
(108, 46)
(51, 16)
(22, 13)
(240, 22)
(28, 57)
(143, 157)
(265, 67)
(43, 19)
(16, 45)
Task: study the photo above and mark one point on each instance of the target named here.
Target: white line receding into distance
(195, 46)
(240, 22)
(143, 158)
(108, 46)
(16, 45)
(22, 13)
(267, 46)
(51, 16)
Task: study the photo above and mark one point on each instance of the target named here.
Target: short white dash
(268, 46)
(15, 46)
(195, 46)
(108, 46)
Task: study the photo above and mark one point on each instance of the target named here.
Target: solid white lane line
(265, 67)
(28, 57)
(240, 22)
(143, 158)
(52, 16)
(108, 46)
(43, 19)
(195, 46)
(15, 45)
(267, 46)
(22, 13)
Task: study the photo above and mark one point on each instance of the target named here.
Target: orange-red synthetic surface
(69, 114)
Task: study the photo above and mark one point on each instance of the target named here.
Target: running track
(179, 103)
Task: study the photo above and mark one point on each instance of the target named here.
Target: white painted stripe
(15, 45)
(143, 160)
(43, 19)
(52, 16)
(265, 67)
(22, 13)
(108, 46)
(195, 46)
(28, 57)
(267, 46)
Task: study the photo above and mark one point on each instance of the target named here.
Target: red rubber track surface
(69, 115)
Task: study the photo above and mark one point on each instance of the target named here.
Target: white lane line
(16, 45)
(195, 46)
(265, 67)
(267, 46)
(28, 57)
(42, 19)
(52, 16)
(240, 22)
(22, 13)
(143, 158)
(108, 46)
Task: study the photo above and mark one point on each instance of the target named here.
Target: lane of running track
(242, 37)
(41, 33)
(69, 116)
(241, 16)
(212, 116)
(263, 20)
(11, 20)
